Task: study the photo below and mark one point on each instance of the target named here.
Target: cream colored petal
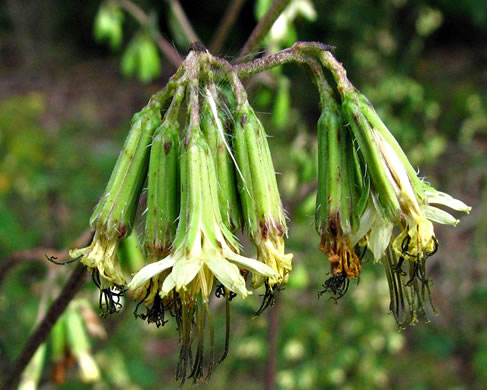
(185, 270)
(228, 274)
(250, 264)
(380, 237)
(366, 221)
(89, 371)
(168, 285)
(149, 271)
(440, 216)
(437, 197)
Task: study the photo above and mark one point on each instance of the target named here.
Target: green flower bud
(58, 340)
(32, 373)
(141, 57)
(162, 200)
(217, 132)
(336, 194)
(262, 209)
(400, 192)
(79, 346)
(203, 249)
(113, 217)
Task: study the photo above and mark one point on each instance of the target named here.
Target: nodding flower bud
(79, 345)
(401, 194)
(262, 209)
(203, 249)
(114, 215)
(217, 127)
(162, 196)
(32, 373)
(335, 194)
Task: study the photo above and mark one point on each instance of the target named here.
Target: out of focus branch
(180, 15)
(41, 333)
(39, 254)
(226, 22)
(146, 21)
(263, 27)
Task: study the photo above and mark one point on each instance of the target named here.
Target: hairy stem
(146, 21)
(263, 27)
(226, 22)
(40, 334)
(296, 53)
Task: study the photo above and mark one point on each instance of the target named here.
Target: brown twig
(72, 286)
(226, 22)
(263, 27)
(180, 15)
(39, 254)
(146, 21)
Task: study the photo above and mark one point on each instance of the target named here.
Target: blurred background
(72, 77)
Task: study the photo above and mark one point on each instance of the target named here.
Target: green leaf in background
(108, 25)
(141, 58)
(177, 31)
(282, 103)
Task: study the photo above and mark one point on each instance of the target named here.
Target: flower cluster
(371, 197)
(204, 155)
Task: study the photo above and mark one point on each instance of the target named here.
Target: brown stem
(263, 27)
(221, 34)
(41, 333)
(180, 15)
(272, 332)
(146, 22)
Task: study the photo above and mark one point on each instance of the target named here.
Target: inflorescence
(203, 155)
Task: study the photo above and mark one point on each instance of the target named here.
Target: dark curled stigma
(269, 299)
(337, 284)
(405, 246)
(136, 311)
(53, 259)
(220, 292)
(176, 311)
(398, 267)
(435, 248)
(418, 273)
(156, 313)
(109, 301)
(361, 255)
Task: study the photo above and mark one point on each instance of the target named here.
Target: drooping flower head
(263, 214)
(113, 217)
(335, 203)
(203, 249)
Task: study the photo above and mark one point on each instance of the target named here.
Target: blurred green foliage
(429, 88)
